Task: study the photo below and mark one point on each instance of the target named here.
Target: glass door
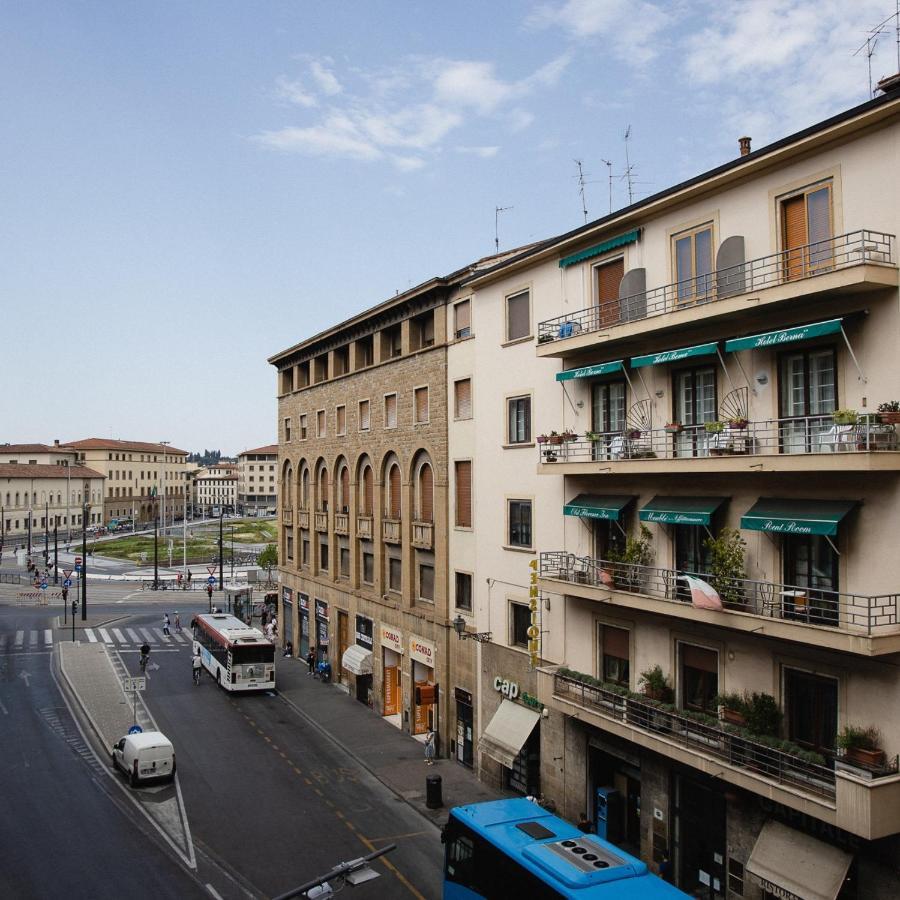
(607, 415)
(812, 710)
(810, 562)
(807, 398)
(695, 404)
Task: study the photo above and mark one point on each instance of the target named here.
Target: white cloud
(482, 152)
(336, 136)
(294, 92)
(324, 77)
(408, 163)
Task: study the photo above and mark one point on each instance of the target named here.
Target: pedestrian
(166, 624)
(270, 633)
(177, 623)
(666, 872)
(275, 625)
(311, 661)
(585, 824)
(264, 617)
(196, 666)
(429, 747)
(190, 576)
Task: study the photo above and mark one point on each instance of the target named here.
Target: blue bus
(515, 848)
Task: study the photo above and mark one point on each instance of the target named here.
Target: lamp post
(46, 534)
(221, 525)
(56, 552)
(459, 626)
(156, 553)
(84, 515)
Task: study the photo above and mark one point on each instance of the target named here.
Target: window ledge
(514, 549)
(518, 446)
(521, 340)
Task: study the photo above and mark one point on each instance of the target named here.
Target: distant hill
(209, 458)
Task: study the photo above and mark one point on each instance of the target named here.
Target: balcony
(364, 527)
(341, 523)
(783, 445)
(321, 521)
(390, 531)
(849, 262)
(287, 517)
(303, 518)
(865, 807)
(854, 623)
(423, 535)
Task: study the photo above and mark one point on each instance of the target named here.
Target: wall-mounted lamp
(459, 626)
(579, 404)
(547, 603)
(762, 378)
(660, 392)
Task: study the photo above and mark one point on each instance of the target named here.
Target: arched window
(394, 491)
(426, 494)
(287, 487)
(304, 489)
(368, 492)
(323, 490)
(344, 499)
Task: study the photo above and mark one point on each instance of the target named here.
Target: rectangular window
(699, 678)
(518, 420)
(807, 396)
(462, 319)
(519, 623)
(812, 709)
(607, 279)
(290, 546)
(320, 423)
(323, 557)
(395, 580)
(462, 398)
(364, 415)
(806, 232)
(519, 515)
(421, 405)
(463, 597)
(693, 264)
(287, 429)
(463, 493)
(518, 316)
(426, 582)
(390, 411)
(615, 655)
(368, 572)
(345, 562)
(341, 419)
(304, 552)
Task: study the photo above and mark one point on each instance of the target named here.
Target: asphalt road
(270, 800)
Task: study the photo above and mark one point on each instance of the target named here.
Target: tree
(268, 559)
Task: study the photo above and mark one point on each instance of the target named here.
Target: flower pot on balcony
(674, 427)
(549, 456)
(862, 757)
(733, 716)
(889, 418)
(555, 439)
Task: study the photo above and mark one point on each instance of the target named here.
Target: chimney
(56, 442)
(745, 145)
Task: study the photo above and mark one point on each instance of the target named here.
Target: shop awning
(784, 336)
(606, 368)
(796, 516)
(681, 510)
(598, 506)
(357, 660)
(802, 866)
(668, 356)
(507, 732)
(619, 241)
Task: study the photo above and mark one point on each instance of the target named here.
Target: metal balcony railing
(843, 251)
(811, 605)
(767, 437)
(736, 749)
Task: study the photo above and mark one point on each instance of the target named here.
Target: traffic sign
(210, 580)
(138, 683)
(67, 583)
(135, 729)
(67, 573)
(211, 569)
(78, 560)
(43, 585)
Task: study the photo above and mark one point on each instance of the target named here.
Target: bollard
(433, 799)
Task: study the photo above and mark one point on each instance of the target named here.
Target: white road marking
(89, 634)
(119, 636)
(105, 635)
(179, 638)
(3, 709)
(163, 637)
(32, 638)
(133, 635)
(48, 636)
(147, 636)
(213, 891)
(20, 638)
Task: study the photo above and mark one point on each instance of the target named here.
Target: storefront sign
(674, 518)
(304, 603)
(391, 638)
(775, 891)
(669, 356)
(785, 336)
(462, 696)
(321, 609)
(421, 651)
(322, 631)
(287, 595)
(364, 632)
(510, 690)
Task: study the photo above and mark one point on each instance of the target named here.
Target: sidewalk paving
(394, 757)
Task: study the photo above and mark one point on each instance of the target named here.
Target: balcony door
(609, 277)
(695, 404)
(607, 414)
(811, 562)
(807, 397)
(806, 231)
(812, 709)
(694, 265)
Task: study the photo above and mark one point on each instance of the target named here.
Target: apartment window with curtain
(320, 423)
(807, 397)
(806, 231)
(463, 595)
(695, 403)
(344, 556)
(420, 402)
(462, 398)
(518, 316)
(608, 278)
(463, 479)
(519, 523)
(518, 420)
(368, 572)
(615, 655)
(364, 415)
(395, 575)
(426, 582)
(341, 419)
(462, 319)
(693, 252)
(390, 410)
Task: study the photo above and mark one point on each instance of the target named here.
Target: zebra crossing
(35, 640)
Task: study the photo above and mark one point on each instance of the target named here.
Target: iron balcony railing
(812, 604)
(844, 251)
(767, 437)
(735, 749)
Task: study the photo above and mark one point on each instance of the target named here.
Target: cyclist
(145, 656)
(196, 666)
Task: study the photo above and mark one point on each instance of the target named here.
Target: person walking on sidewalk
(166, 624)
(177, 623)
(311, 661)
(429, 747)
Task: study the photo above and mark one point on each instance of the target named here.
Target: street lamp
(459, 626)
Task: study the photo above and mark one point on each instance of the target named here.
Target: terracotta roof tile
(269, 448)
(110, 444)
(23, 470)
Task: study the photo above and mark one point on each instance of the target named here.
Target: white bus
(237, 656)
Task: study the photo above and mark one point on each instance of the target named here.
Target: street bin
(433, 798)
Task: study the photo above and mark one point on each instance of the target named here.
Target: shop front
(391, 641)
(321, 630)
(425, 689)
(286, 625)
(614, 793)
(357, 660)
(304, 625)
(465, 721)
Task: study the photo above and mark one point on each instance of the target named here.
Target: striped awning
(620, 241)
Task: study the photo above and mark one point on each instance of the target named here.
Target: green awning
(681, 510)
(797, 516)
(628, 238)
(598, 506)
(590, 371)
(668, 356)
(784, 336)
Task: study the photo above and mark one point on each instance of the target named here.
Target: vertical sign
(534, 629)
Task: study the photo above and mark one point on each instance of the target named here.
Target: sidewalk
(391, 755)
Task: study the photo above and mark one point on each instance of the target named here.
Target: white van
(145, 756)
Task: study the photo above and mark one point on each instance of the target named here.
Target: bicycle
(197, 673)
(145, 658)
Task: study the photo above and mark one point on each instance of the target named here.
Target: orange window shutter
(395, 492)
(426, 495)
(794, 217)
(463, 399)
(368, 492)
(464, 494)
(345, 488)
(609, 277)
(421, 404)
(463, 316)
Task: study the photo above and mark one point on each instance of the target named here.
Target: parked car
(146, 756)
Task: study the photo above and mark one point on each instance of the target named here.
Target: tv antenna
(581, 183)
(609, 165)
(628, 168)
(497, 211)
(871, 42)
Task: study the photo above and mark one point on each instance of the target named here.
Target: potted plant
(554, 438)
(738, 423)
(592, 436)
(845, 416)
(674, 427)
(763, 715)
(889, 412)
(714, 427)
(654, 684)
(861, 746)
(545, 338)
(630, 563)
(569, 435)
(733, 707)
(726, 567)
(541, 438)
(634, 434)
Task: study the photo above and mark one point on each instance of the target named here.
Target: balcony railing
(341, 523)
(726, 745)
(808, 605)
(841, 252)
(321, 521)
(364, 527)
(767, 437)
(287, 517)
(423, 535)
(390, 531)
(303, 518)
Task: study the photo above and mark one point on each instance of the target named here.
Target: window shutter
(426, 494)
(700, 658)
(794, 235)
(345, 488)
(341, 419)
(464, 494)
(394, 482)
(615, 642)
(517, 325)
(609, 277)
(368, 491)
(390, 411)
(422, 404)
(323, 491)
(464, 399)
(364, 415)
(463, 323)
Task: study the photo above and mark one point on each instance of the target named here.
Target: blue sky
(189, 187)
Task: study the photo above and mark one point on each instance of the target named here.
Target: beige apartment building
(215, 489)
(142, 480)
(696, 457)
(257, 486)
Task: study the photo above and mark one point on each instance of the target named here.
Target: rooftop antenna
(497, 211)
(869, 45)
(608, 165)
(581, 184)
(628, 167)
